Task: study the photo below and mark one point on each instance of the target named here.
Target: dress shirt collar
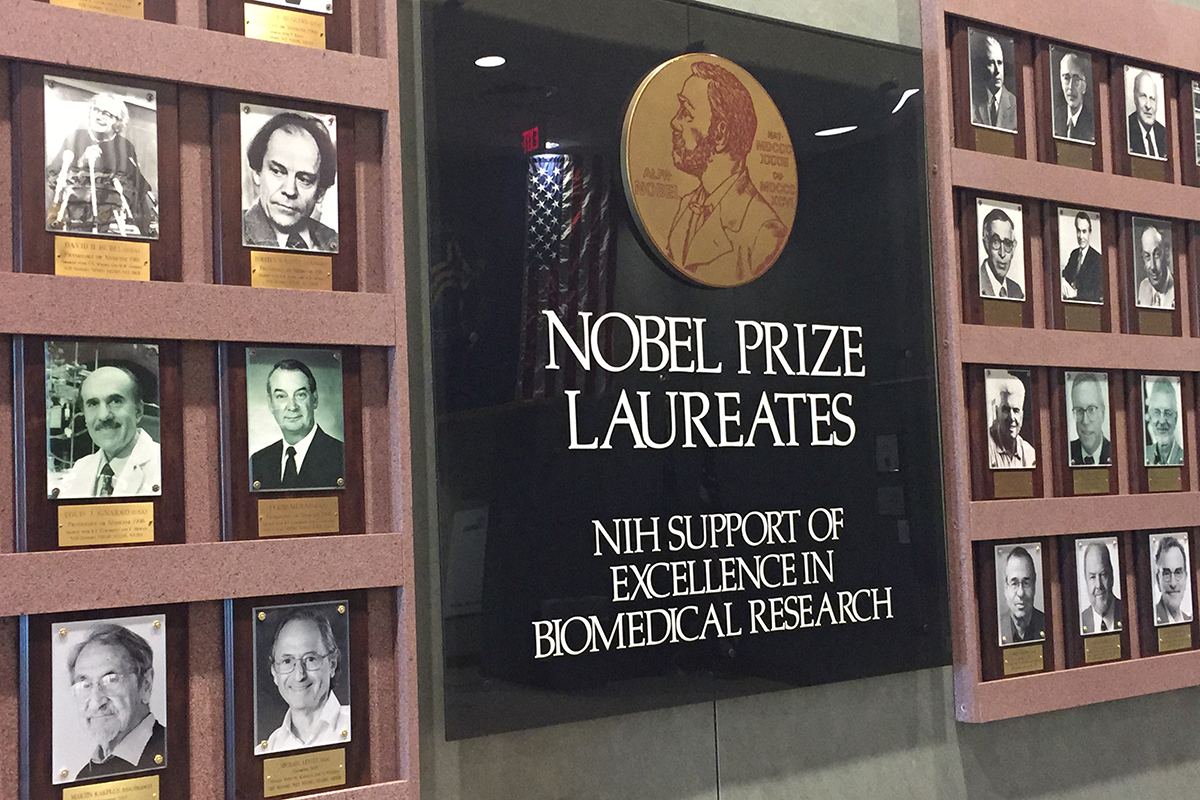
(301, 449)
(130, 748)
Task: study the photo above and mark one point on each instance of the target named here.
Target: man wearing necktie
(1083, 274)
(1157, 289)
(998, 107)
(306, 457)
(293, 162)
(1147, 136)
(1074, 119)
(1091, 447)
(1103, 613)
(1000, 245)
(127, 460)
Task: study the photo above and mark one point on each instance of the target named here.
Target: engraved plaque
(1164, 479)
(101, 258)
(1019, 660)
(105, 523)
(1003, 312)
(303, 773)
(997, 142)
(284, 270)
(297, 516)
(1081, 318)
(1101, 648)
(1090, 481)
(131, 9)
(1148, 169)
(284, 25)
(1012, 484)
(1156, 323)
(1176, 637)
(144, 788)
(1073, 155)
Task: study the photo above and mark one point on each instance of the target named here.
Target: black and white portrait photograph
(1171, 578)
(295, 424)
(316, 6)
(301, 676)
(102, 419)
(993, 80)
(1153, 270)
(1008, 407)
(101, 159)
(109, 714)
(1001, 237)
(289, 179)
(1081, 277)
(1161, 420)
(1071, 99)
(1088, 435)
(1020, 602)
(1146, 113)
(1196, 117)
(1098, 581)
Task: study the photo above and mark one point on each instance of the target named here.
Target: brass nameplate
(1176, 637)
(1148, 169)
(297, 516)
(1008, 313)
(1102, 648)
(290, 774)
(1019, 660)
(284, 25)
(144, 788)
(997, 142)
(101, 258)
(283, 270)
(131, 9)
(1156, 323)
(1074, 155)
(105, 523)
(1164, 479)
(1018, 483)
(1089, 481)
(1082, 318)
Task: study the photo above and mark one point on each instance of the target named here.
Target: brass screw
(245, 109)
(257, 485)
(62, 631)
(262, 617)
(64, 773)
(345, 734)
(158, 759)
(341, 609)
(157, 624)
(341, 482)
(263, 743)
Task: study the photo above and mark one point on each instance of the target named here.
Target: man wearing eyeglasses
(999, 245)
(1157, 289)
(1161, 421)
(1091, 447)
(112, 677)
(1074, 119)
(1020, 621)
(1171, 578)
(304, 661)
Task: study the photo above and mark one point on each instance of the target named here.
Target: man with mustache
(1157, 289)
(293, 162)
(1020, 621)
(127, 461)
(1161, 420)
(1147, 136)
(1104, 612)
(724, 232)
(1083, 274)
(1075, 119)
(306, 457)
(1090, 447)
(999, 243)
(998, 106)
(1006, 448)
(1171, 578)
(304, 660)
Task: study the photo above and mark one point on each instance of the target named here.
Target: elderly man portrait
(1157, 289)
(304, 661)
(1173, 583)
(999, 246)
(1090, 447)
(1020, 620)
(993, 105)
(1147, 136)
(1161, 423)
(126, 461)
(293, 162)
(95, 180)
(1074, 118)
(1103, 612)
(305, 457)
(1083, 274)
(112, 680)
(1006, 448)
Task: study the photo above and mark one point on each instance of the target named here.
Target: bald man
(1103, 613)
(127, 461)
(1073, 116)
(1157, 289)
(1147, 136)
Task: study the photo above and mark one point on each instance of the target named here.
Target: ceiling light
(836, 131)
(904, 99)
(488, 62)
(552, 145)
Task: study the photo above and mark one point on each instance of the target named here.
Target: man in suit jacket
(1083, 274)
(1075, 119)
(998, 107)
(1103, 613)
(1147, 136)
(306, 457)
(1091, 446)
(1020, 621)
(999, 244)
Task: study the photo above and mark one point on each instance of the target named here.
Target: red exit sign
(530, 140)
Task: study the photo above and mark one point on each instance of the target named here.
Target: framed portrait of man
(101, 158)
(1021, 603)
(1009, 406)
(295, 420)
(1080, 256)
(1089, 433)
(1000, 232)
(1098, 584)
(289, 172)
(1196, 118)
(1153, 263)
(1146, 113)
(993, 80)
(1072, 96)
(1162, 420)
(1170, 578)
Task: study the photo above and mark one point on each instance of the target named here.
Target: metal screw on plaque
(341, 481)
(64, 773)
(341, 609)
(345, 734)
(263, 743)
(337, 356)
(257, 485)
(262, 617)
(329, 6)
(158, 759)
(157, 624)
(62, 631)
(245, 109)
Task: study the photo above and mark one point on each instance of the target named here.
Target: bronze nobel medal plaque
(715, 198)
(322, 769)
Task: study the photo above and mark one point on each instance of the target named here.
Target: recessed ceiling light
(904, 99)
(488, 62)
(836, 131)
(552, 145)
